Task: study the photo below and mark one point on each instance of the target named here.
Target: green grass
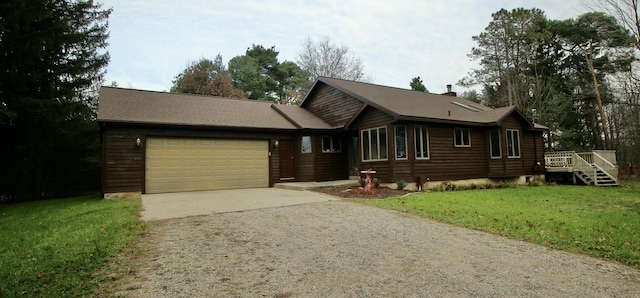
(54, 248)
(601, 222)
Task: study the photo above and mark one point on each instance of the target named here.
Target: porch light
(138, 142)
(276, 144)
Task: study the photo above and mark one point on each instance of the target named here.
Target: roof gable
(118, 105)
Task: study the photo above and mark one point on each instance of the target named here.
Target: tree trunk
(596, 89)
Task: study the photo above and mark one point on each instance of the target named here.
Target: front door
(287, 160)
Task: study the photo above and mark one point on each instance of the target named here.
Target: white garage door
(191, 164)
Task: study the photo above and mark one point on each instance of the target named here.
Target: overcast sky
(152, 41)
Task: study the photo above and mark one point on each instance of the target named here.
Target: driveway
(184, 204)
(344, 249)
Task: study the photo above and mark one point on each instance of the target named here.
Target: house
(167, 142)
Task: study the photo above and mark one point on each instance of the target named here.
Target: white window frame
(511, 145)
(462, 137)
(499, 143)
(378, 144)
(302, 142)
(332, 144)
(419, 140)
(396, 143)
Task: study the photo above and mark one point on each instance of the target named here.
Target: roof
(300, 117)
(117, 105)
(405, 104)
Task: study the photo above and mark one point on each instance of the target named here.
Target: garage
(194, 164)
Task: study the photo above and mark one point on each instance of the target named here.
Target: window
(513, 144)
(496, 148)
(374, 144)
(306, 144)
(331, 144)
(461, 137)
(401, 141)
(422, 142)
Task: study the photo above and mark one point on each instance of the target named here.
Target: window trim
(462, 131)
(368, 131)
(510, 143)
(499, 143)
(406, 149)
(332, 139)
(416, 143)
(302, 144)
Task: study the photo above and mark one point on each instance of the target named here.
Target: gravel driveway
(343, 249)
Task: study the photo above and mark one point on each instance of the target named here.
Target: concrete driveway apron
(184, 204)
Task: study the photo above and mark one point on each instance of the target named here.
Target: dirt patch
(354, 192)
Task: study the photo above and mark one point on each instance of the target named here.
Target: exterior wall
(446, 161)
(305, 162)
(371, 118)
(318, 165)
(332, 106)
(124, 163)
(531, 152)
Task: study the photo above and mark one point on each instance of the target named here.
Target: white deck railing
(586, 162)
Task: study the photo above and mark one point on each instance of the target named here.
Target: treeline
(579, 77)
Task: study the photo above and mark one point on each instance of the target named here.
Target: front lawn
(602, 222)
(53, 248)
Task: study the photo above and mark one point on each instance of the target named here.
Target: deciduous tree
(322, 58)
(206, 77)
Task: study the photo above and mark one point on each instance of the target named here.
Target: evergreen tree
(416, 84)
(51, 67)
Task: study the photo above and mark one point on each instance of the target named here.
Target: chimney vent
(449, 88)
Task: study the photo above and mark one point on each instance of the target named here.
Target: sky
(152, 41)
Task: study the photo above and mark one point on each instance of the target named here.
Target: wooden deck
(593, 168)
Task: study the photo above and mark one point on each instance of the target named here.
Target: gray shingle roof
(149, 107)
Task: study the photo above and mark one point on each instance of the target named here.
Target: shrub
(446, 186)
(401, 184)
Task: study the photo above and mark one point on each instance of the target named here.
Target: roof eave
(444, 121)
(199, 126)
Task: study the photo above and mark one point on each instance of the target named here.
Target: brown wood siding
(448, 162)
(123, 162)
(531, 151)
(371, 118)
(513, 166)
(331, 165)
(333, 106)
(305, 162)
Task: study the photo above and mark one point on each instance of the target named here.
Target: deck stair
(592, 168)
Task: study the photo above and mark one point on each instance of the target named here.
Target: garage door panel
(180, 164)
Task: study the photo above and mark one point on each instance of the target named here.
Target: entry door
(287, 160)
